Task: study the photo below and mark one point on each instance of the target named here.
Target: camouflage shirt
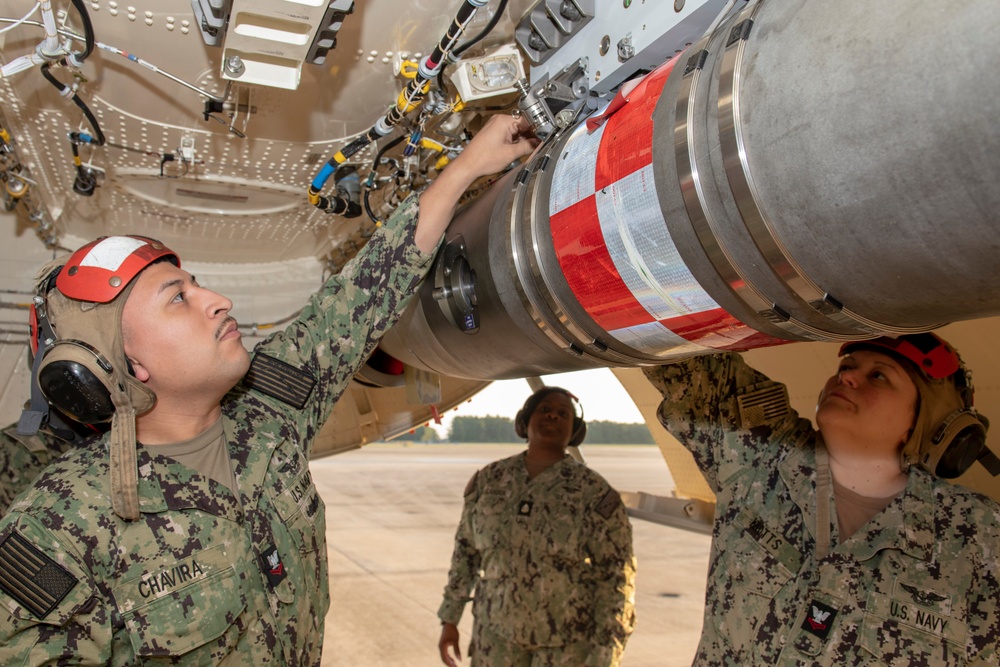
(22, 458)
(550, 558)
(204, 577)
(917, 585)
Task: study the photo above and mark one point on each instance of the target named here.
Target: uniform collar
(907, 524)
(798, 472)
(166, 485)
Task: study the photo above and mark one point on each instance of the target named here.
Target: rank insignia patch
(819, 619)
(274, 569)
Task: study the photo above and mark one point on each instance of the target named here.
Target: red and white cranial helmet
(100, 270)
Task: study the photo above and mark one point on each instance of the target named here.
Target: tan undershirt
(206, 453)
(855, 510)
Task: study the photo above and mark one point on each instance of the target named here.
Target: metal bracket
(556, 102)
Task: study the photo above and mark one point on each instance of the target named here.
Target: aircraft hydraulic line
(409, 99)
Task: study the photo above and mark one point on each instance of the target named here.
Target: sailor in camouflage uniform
(22, 458)
(205, 544)
(24, 452)
(547, 544)
(843, 547)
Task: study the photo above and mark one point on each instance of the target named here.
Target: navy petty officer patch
(274, 569)
(819, 619)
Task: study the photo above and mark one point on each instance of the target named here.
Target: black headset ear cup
(520, 424)
(957, 444)
(75, 378)
(579, 432)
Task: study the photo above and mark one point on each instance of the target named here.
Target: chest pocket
(191, 608)
(751, 563)
(556, 530)
(492, 520)
(915, 625)
(761, 559)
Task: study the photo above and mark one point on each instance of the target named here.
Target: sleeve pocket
(303, 513)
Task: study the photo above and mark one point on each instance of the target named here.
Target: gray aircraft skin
(774, 177)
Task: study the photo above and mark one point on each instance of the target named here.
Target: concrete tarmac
(391, 514)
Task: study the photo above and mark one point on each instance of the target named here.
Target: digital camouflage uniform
(203, 577)
(22, 458)
(551, 561)
(917, 585)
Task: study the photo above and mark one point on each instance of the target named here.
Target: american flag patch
(609, 503)
(279, 380)
(34, 580)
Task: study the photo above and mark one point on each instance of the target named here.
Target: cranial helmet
(531, 404)
(948, 434)
(80, 367)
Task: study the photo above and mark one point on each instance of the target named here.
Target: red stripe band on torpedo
(627, 144)
(589, 270)
(698, 326)
(718, 330)
(613, 245)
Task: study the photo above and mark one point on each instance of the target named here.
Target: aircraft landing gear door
(455, 286)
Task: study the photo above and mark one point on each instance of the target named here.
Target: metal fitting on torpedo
(535, 110)
(348, 186)
(347, 202)
(556, 103)
(15, 187)
(455, 286)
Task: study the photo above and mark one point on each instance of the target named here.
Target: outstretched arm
(502, 140)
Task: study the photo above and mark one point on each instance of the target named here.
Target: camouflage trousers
(488, 649)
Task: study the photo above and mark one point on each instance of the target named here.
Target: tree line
(501, 429)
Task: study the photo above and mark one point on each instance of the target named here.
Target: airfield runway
(391, 516)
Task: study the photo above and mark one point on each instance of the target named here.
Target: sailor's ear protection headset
(71, 374)
(960, 438)
(76, 334)
(957, 438)
(524, 414)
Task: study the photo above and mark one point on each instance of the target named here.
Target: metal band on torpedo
(694, 200)
(760, 228)
(516, 250)
(540, 203)
(559, 328)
